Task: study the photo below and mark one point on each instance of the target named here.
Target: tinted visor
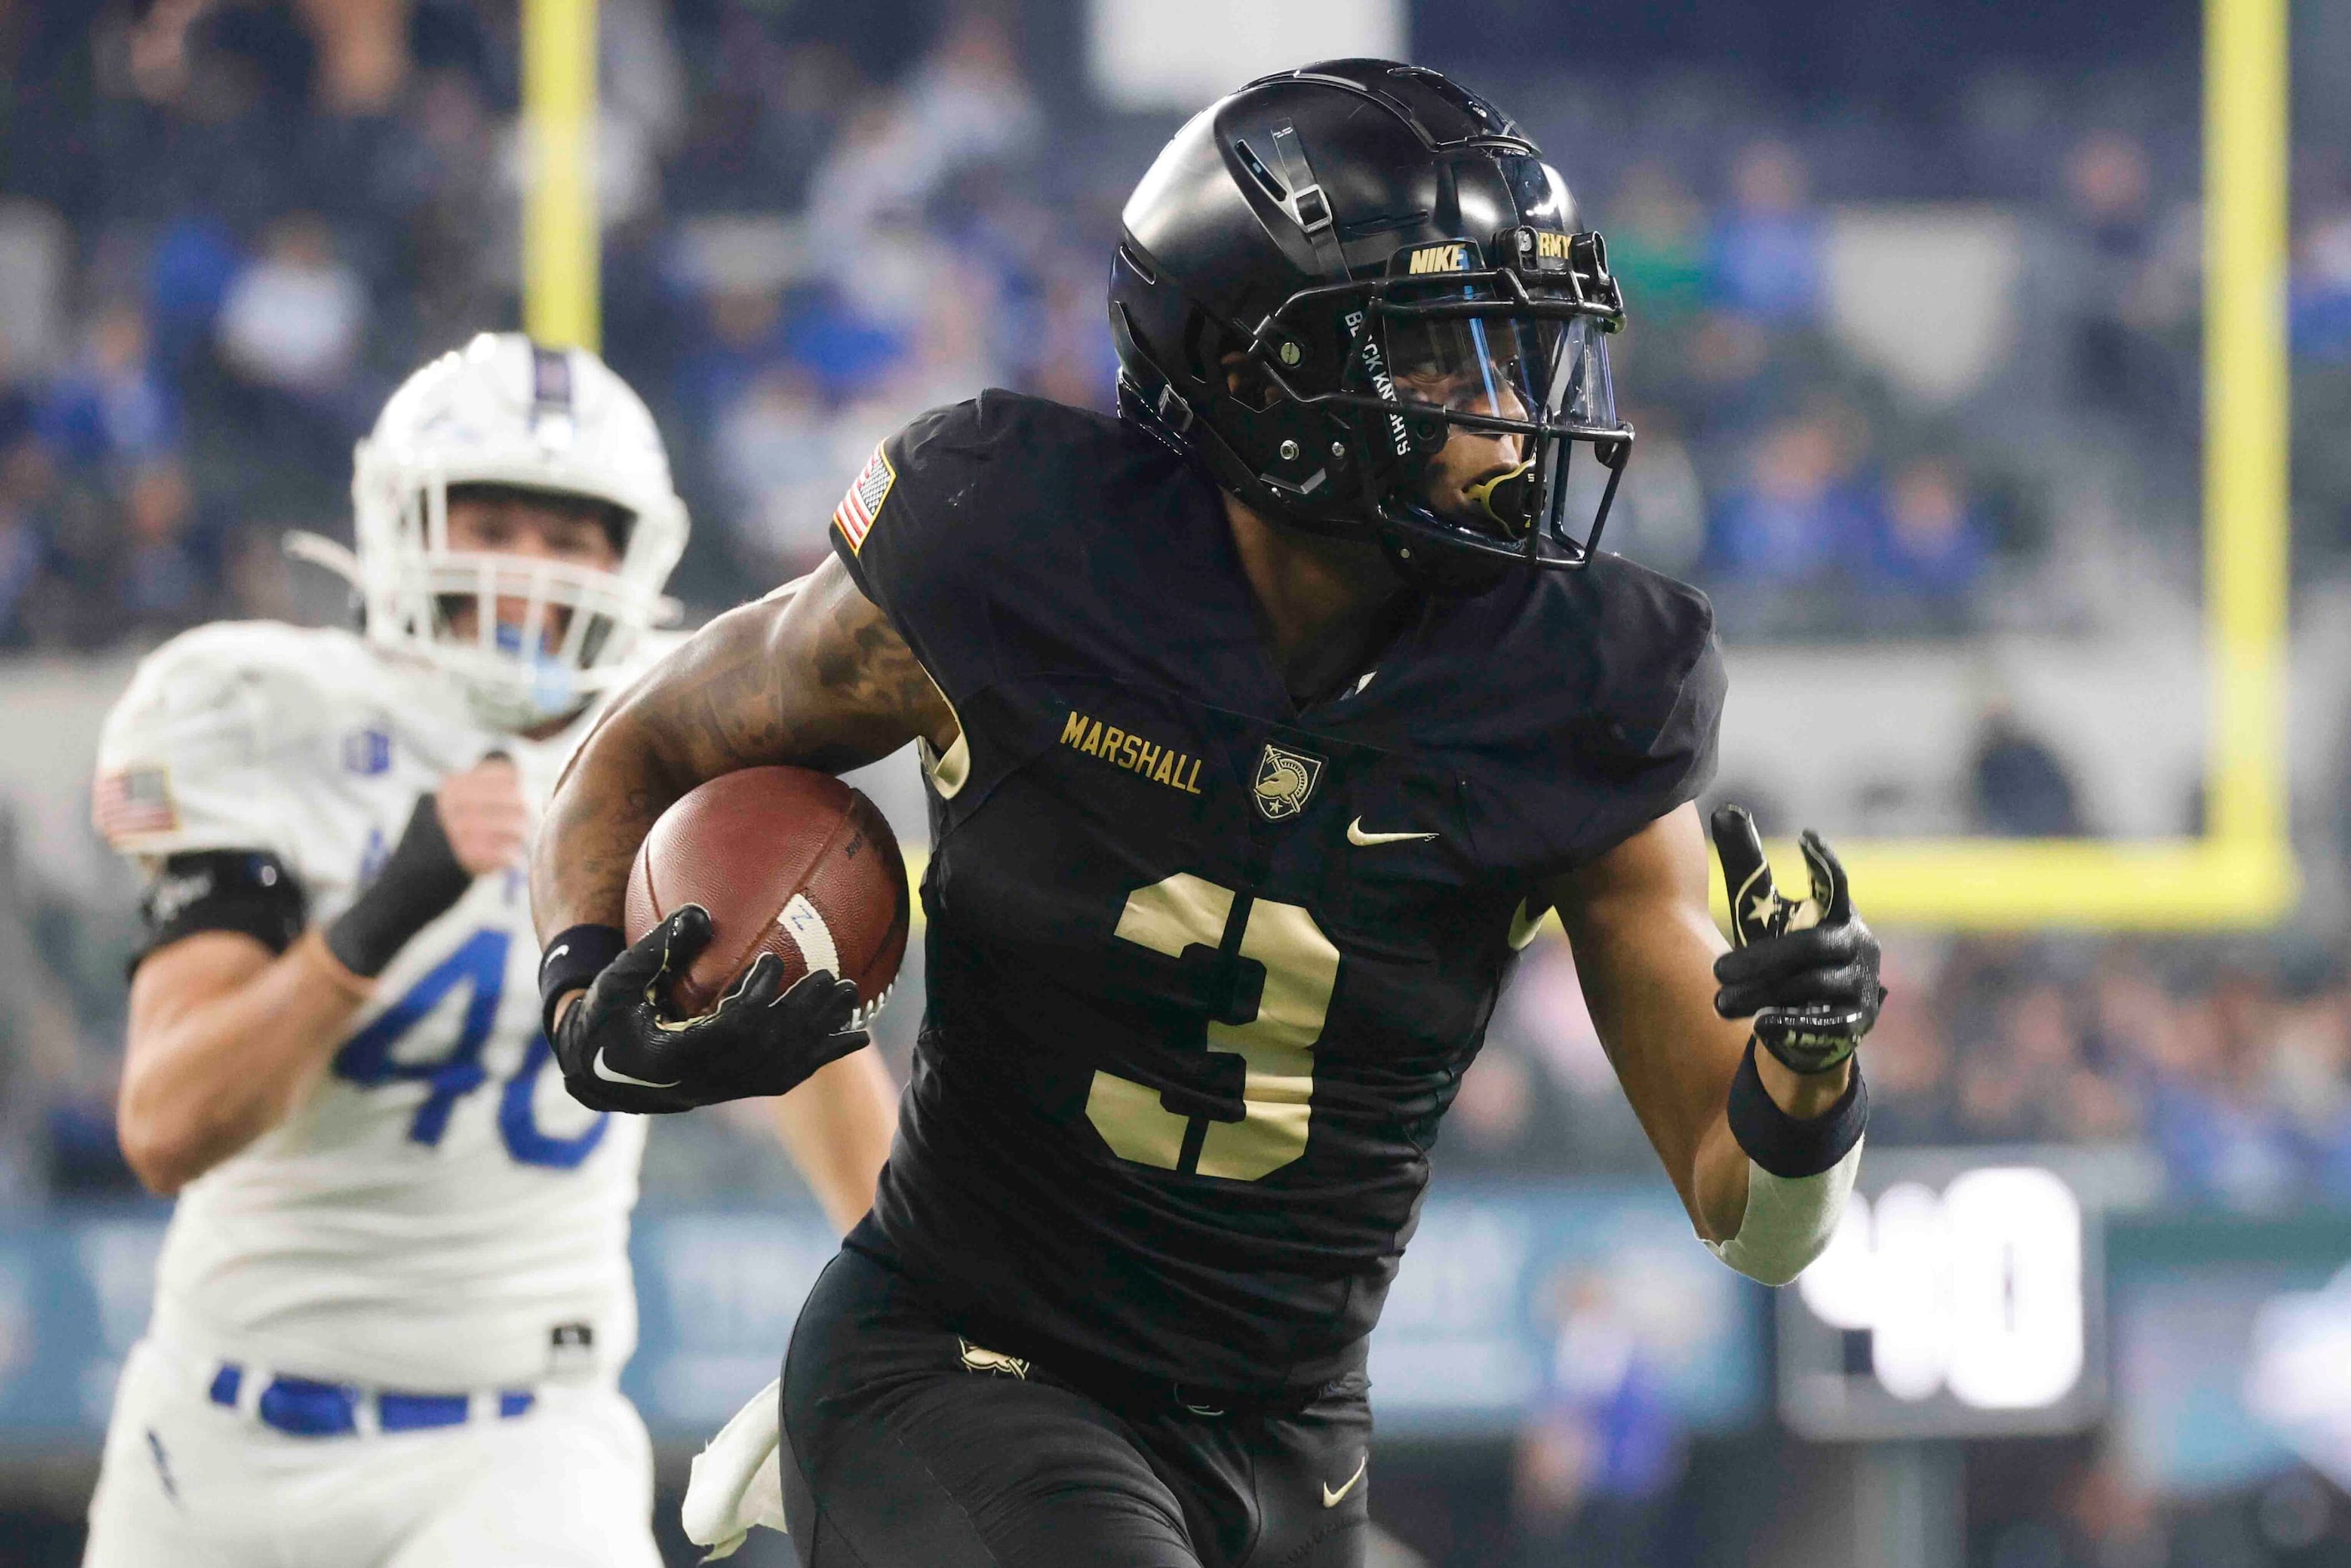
(1544, 374)
(1530, 369)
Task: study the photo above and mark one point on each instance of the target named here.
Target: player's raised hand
(620, 1050)
(485, 816)
(1804, 969)
(476, 824)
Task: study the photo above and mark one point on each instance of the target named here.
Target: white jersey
(438, 1213)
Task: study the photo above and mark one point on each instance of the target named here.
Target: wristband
(577, 956)
(1789, 1146)
(420, 881)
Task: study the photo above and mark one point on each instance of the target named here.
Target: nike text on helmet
(504, 411)
(1328, 272)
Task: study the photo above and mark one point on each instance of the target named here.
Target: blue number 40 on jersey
(479, 965)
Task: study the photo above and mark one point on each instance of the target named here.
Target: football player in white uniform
(395, 1299)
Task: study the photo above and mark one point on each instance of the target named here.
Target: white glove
(737, 1481)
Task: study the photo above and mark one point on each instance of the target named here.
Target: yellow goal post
(2241, 871)
(560, 230)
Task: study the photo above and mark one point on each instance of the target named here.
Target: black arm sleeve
(222, 889)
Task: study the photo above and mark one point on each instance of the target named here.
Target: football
(787, 861)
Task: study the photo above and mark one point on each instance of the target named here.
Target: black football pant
(907, 1446)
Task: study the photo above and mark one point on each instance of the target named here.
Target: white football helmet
(505, 411)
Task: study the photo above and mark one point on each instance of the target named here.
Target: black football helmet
(1326, 272)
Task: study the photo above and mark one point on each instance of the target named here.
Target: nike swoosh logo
(1333, 1499)
(1355, 835)
(560, 948)
(605, 1071)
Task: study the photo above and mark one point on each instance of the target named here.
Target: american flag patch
(854, 517)
(132, 804)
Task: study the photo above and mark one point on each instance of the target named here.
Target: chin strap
(1307, 205)
(1434, 566)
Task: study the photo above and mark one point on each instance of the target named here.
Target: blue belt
(309, 1409)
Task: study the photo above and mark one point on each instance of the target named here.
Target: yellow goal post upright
(2241, 873)
(561, 233)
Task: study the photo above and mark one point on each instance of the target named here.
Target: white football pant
(192, 1484)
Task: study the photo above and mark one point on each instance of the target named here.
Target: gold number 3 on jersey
(1276, 1046)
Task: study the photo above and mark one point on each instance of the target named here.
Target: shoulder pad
(973, 512)
(1657, 669)
(203, 749)
(933, 464)
(997, 418)
(1597, 714)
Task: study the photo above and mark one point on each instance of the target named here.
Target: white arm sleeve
(1788, 1219)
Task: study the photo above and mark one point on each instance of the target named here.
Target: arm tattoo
(816, 679)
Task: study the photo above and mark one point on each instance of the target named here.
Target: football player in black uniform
(1262, 723)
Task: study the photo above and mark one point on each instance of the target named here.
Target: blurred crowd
(2230, 1065)
(227, 227)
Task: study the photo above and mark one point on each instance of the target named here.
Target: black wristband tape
(1787, 1146)
(420, 880)
(573, 961)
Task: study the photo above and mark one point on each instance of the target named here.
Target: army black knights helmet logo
(1284, 780)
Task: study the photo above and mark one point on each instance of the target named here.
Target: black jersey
(1204, 968)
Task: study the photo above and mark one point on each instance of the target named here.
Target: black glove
(419, 882)
(619, 1052)
(1806, 972)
